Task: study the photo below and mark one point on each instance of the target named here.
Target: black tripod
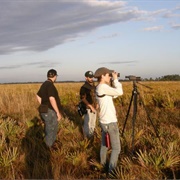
(135, 93)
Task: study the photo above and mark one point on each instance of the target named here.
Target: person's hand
(114, 75)
(97, 106)
(92, 109)
(59, 116)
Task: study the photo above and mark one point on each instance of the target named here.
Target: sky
(135, 37)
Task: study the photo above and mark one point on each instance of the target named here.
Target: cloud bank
(41, 25)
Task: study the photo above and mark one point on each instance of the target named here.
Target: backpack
(81, 108)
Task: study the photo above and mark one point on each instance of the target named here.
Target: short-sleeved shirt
(47, 90)
(88, 91)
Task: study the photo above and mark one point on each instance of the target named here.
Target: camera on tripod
(134, 99)
(133, 78)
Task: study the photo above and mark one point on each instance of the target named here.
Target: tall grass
(23, 154)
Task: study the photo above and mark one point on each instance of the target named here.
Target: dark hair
(99, 78)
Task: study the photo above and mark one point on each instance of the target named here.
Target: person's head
(89, 76)
(103, 74)
(52, 74)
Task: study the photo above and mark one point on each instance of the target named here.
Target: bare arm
(55, 107)
(88, 105)
(38, 99)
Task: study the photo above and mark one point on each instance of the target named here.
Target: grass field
(23, 154)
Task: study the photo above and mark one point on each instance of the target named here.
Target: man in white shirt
(107, 115)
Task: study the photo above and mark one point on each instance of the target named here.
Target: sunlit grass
(23, 154)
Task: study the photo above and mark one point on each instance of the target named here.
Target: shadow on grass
(37, 154)
(73, 116)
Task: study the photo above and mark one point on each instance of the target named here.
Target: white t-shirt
(107, 112)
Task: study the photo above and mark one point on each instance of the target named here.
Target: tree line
(174, 77)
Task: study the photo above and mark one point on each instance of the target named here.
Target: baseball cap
(89, 74)
(102, 71)
(51, 73)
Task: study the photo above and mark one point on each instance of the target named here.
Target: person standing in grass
(50, 107)
(107, 115)
(87, 96)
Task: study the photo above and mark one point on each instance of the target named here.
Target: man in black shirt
(50, 107)
(87, 95)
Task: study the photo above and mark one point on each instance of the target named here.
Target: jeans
(113, 130)
(51, 126)
(89, 123)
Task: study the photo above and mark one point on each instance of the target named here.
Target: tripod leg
(128, 112)
(134, 117)
(155, 130)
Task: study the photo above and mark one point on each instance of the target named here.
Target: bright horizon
(140, 38)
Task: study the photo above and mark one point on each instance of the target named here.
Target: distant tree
(174, 77)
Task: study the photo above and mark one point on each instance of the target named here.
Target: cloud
(41, 25)
(109, 36)
(176, 26)
(154, 28)
(39, 64)
(9, 67)
(119, 62)
(173, 13)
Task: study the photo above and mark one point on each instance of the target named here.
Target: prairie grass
(23, 154)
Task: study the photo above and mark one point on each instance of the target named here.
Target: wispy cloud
(154, 28)
(39, 64)
(171, 15)
(109, 36)
(176, 26)
(10, 67)
(119, 62)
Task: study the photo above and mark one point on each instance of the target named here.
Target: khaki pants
(89, 123)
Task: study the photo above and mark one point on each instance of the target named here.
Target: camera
(133, 78)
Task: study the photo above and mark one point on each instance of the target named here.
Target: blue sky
(140, 38)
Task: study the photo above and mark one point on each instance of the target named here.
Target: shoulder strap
(100, 96)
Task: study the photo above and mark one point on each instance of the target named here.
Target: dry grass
(23, 154)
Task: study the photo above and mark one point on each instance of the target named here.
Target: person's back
(49, 108)
(46, 90)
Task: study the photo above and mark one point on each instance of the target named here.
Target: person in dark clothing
(50, 107)
(87, 95)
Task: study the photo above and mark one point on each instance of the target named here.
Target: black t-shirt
(47, 90)
(88, 91)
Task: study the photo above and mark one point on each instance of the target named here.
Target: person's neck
(104, 82)
(91, 83)
(50, 79)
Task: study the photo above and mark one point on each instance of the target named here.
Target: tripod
(135, 93)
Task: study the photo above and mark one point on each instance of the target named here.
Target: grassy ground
(153, 154)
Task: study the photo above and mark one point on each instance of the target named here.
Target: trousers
(51, 126)
(113, 130)
(89, 123)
